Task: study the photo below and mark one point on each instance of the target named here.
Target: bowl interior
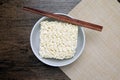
(35, 42)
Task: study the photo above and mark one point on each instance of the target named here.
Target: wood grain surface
(17, 61)
(101, 57)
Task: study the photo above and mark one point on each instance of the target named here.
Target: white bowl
(35, 43)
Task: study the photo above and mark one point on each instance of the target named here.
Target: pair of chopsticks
(65, 19)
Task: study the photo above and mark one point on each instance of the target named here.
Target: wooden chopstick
(65, 19)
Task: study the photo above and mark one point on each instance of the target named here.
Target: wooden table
(17, 61)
